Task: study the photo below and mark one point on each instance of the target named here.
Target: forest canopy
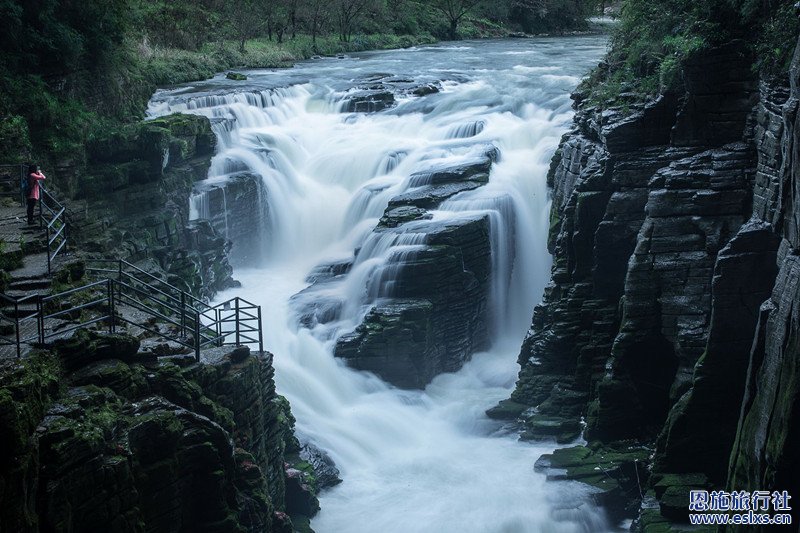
(69, 65)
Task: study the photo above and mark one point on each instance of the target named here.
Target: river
(411, 461)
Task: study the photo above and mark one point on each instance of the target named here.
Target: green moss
(27, 388)
(11, 260)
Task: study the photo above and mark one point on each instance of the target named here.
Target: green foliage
(654, 39)
(776, 41)
(15, 140)
(177, 24)
(71, 70)
(551, 16)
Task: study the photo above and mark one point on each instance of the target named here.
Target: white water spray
(412, 461)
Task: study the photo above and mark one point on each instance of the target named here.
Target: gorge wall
(98, 437)
(133, 202)
(669, 331)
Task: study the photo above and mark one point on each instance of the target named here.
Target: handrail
(58, 217)
(198, 326)
(177, 294)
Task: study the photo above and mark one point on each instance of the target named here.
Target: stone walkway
(31, 278)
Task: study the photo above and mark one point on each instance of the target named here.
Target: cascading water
(427, 461)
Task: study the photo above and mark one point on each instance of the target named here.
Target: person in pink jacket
(34, 177)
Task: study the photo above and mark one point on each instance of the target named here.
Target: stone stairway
(25, 263)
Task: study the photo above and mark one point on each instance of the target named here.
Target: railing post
(237, 320)
(47, 236)
(16, 320)
(218, 327)
(111, 306)
(40, 318)
(183, 313)
(260, 333)
(197, 336)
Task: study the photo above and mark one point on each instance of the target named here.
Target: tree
(347, 13)
(248, 18)
(315, 13)
(453, 10)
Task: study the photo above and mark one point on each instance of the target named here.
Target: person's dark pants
(31, 206)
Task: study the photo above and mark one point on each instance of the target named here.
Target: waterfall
(426, 461)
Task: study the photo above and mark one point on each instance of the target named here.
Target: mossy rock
(506, 410)
(563, 430)
(236, 76)
(619, 471)
(86, 346)
(27, 387)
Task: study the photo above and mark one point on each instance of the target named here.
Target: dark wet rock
(672, 492)
(87, 346)
(325, 473)
(139, 182)
(426, 89)
(396, 216)
(395, 342)
(764, 455)
(507, 410)
(440, 183)
(476, 171)
(370, 100)
(744, 275)
(431, 196)
(300, 497)
(672, 309)
(124, 446)
(618, 473)
(238, 210)
(330, 270)
(437, 316)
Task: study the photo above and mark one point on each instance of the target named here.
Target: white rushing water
(411, 461)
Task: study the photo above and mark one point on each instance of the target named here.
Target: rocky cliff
(123, 441)
(670, 323)
(133, 202)
(430, 311)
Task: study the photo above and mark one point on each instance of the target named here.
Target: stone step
(34, 268)
(38, 285)
(21, 311)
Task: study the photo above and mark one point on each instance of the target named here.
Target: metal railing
(53, 220)
(194, 324)
(24, 329)
(190, 316)
(237, 313)
(96, 297)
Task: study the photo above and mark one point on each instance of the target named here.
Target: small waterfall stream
(411, 461)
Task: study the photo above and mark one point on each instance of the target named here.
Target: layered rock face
(239, 211)
(671, 317)
(126, 443)
(137, 201)
(437, 315)
(767, 439)
(428, 309)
